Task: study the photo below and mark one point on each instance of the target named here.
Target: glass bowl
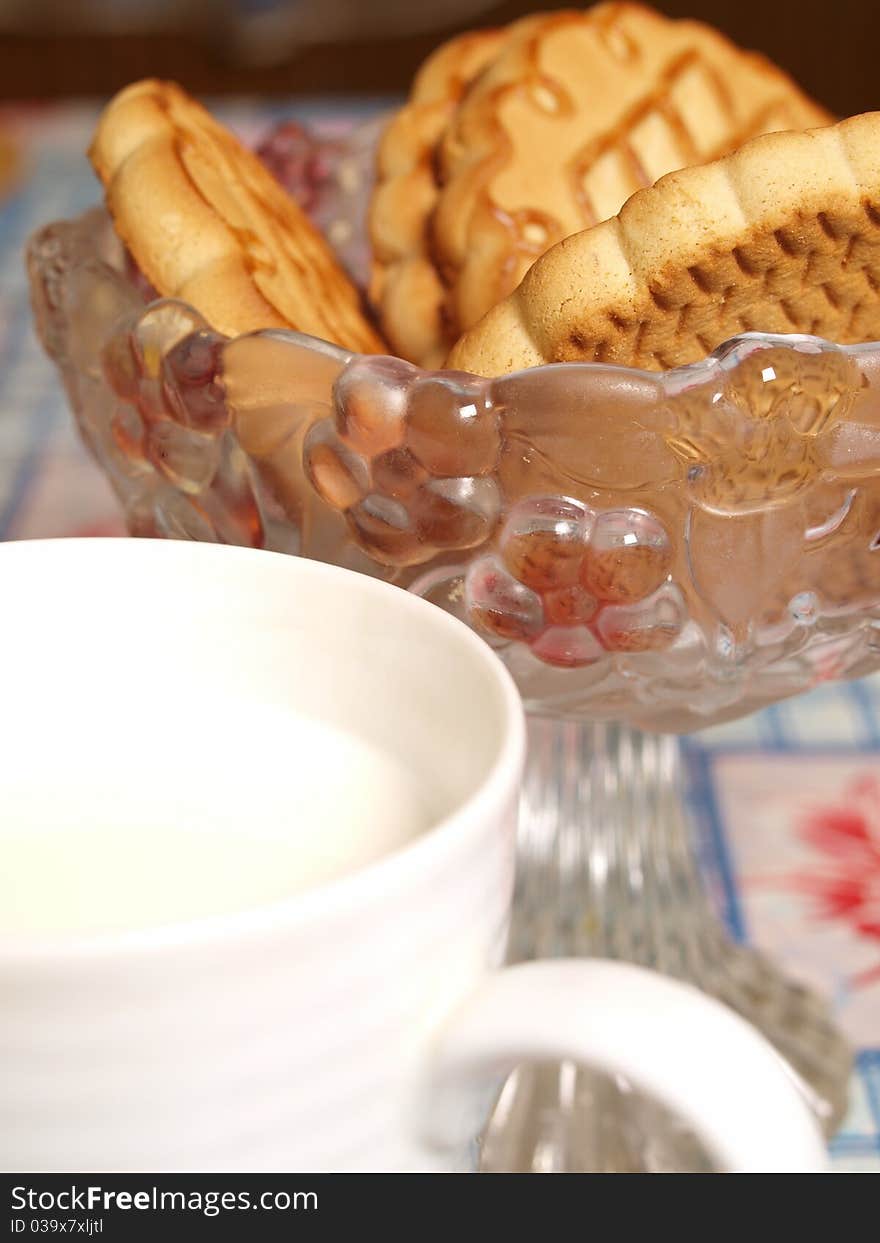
(665, 549)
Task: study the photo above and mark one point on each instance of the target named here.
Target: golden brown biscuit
(405, 287)
(782, 236)
(206, 222)
(575, 113)
(10, 164)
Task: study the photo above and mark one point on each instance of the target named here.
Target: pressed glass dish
(645, 551)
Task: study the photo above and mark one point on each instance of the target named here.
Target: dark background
(45, 51)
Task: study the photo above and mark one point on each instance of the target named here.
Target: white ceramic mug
(364, 1023)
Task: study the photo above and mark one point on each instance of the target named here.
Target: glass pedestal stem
(608, 867)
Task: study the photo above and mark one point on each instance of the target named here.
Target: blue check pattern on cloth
(755, 782)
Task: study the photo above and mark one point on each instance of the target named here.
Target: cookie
(206, 222)
(405, 287)
(575, 113)
(783, 236)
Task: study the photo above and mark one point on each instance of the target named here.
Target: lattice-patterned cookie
(206, 222)
(575, 113)
(783, 236)
(405, 286)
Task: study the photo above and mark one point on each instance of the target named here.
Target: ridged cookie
(577, 111)
(783, 236)
(206, 222)
(405, 286)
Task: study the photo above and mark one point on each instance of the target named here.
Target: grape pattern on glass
(145, 379)
(574, 584)
(409, 458)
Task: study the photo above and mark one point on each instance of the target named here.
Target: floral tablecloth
(788, 800)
